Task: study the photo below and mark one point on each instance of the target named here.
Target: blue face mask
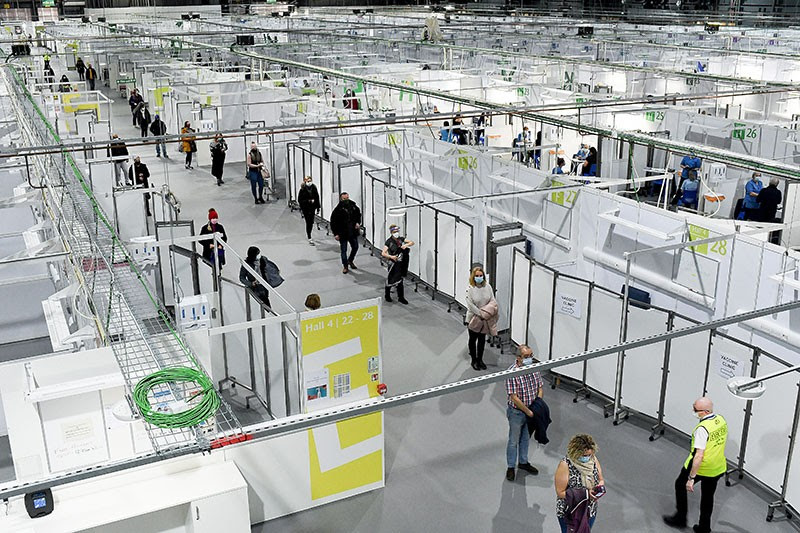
(527, 361)
(478, 279)
(585, 458)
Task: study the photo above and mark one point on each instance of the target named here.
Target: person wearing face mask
(308, 199)
(522, 390)
(209, 248)
(255, 165)
(706, 464)
(481, 315)
(750, 202)
(253, 260)
(579, 484)
(346, 225)
(218, 148)
(396, 250)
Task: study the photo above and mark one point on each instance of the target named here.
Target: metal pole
(659, 426)
(787, 471)
(623, 334)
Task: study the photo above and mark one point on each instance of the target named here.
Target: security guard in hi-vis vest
(706, 464)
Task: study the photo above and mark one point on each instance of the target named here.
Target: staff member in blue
(751, 190)
(706, 464)
(690, 162)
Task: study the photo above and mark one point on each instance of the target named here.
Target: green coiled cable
(205, 409)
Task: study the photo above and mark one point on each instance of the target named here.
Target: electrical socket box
(716, 173)
(194, 312)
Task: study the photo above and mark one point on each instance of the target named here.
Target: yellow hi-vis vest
(714, 463)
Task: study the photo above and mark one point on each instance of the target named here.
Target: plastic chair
(689, 198)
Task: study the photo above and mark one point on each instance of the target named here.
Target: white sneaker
(311, 242)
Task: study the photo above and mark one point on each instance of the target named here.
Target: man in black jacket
(139, 175)
(768, 201)
(158, 128)
(119, 153)
(134, 101)
(143, 117)
(308, 198)
(345, 225)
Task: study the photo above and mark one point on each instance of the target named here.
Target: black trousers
(309, 216)
(476, 344)
(708, 486)
(188, 158)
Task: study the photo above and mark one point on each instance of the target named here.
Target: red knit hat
(212, 213)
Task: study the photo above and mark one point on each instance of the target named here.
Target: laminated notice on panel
(728, 366)
(568, 305)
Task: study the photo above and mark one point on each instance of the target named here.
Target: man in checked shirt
(522, 390)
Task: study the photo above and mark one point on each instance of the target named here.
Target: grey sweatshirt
(477, 297)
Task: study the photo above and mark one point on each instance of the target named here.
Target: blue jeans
(161, 145)
(563, 523)
(518, 437)
(256, 179)
(353, 248)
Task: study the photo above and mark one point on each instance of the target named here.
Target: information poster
(341, 364)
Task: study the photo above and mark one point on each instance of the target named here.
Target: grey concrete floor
(445, 458)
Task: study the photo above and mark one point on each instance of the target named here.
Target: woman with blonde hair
(579, 484)
(482, 313)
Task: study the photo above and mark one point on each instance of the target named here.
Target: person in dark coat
(119, 153)
(134, 101)
(769, 199)
(257, 263)
(218, 148)
(213, 226)
(91, 76)
(158, 128)
(64, 86)
(345, 225)
(80, 67)
(308, 198)
(139, 175)
(143, 117)
(539, 422)
(396, 250)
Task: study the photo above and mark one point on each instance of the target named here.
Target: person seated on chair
(688, 191)
(559, 168)
(589, 167)
(446, 134)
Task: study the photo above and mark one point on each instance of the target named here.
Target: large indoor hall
(430, 267)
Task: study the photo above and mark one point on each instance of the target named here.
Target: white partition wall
(328, 192)
(413, 233)
(520, 287)
(351, 181)
(539, 316)
(770, 427)
(606, 312)
(427, 245)
(793, 479)
(641, 379)
(728, 358)
(687, 356)
(570, 321)
(463, 260)
(446, 253)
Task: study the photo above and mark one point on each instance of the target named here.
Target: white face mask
(258, 258)
(396, 234)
